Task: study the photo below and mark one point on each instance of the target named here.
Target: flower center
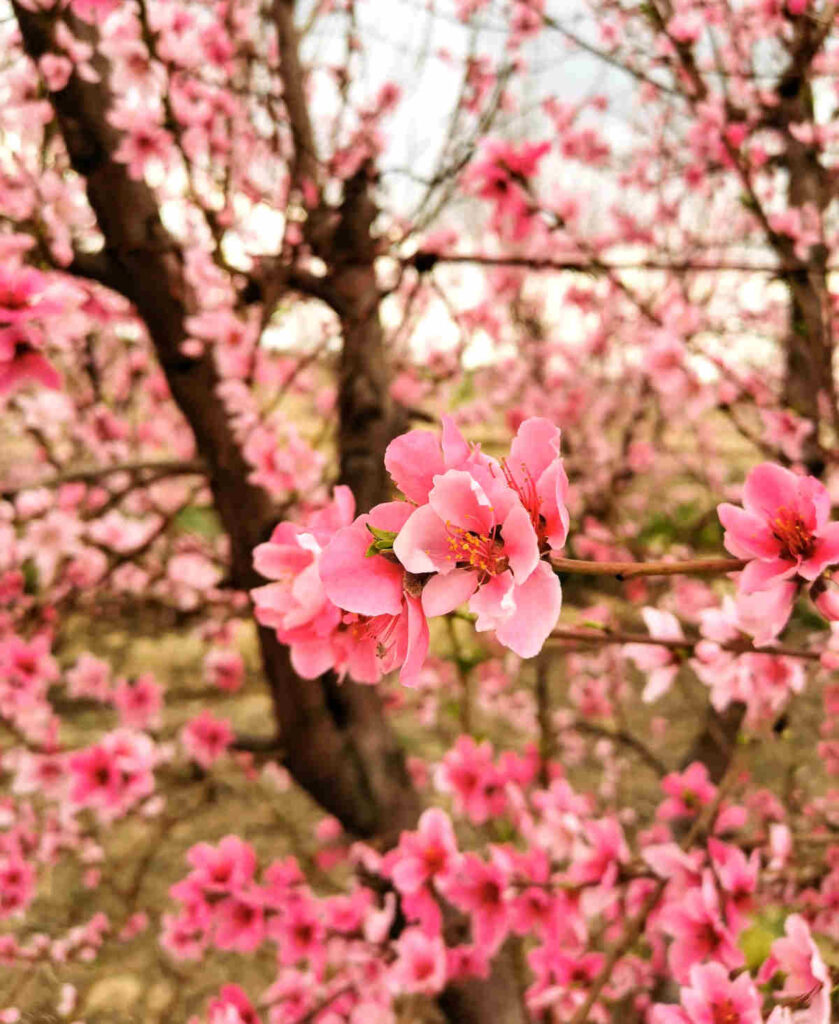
(489, 893)
(723, 1012)
(793, 534)
(434, 858)
(479, 550)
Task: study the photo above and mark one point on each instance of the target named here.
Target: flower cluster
(355, 594)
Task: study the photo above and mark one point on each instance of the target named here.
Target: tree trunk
(808, 373)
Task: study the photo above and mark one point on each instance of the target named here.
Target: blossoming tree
(598, 579)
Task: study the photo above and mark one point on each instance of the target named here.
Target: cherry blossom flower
(206, 738)
(712, 997)
(428, 855)
(420, 964)
(783, 529)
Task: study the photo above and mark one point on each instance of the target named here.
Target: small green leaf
(383, 536)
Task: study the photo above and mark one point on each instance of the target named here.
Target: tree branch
(630, 570)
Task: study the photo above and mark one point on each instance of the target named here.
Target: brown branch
(591, 266)
(630, 570)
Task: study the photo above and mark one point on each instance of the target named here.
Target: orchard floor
(137, 982)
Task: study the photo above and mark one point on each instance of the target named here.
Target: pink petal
(747, 535)
(535, 446)
(418, 639)
(273, 561)
(310, 660)
(769, 487)
(761, 575)
(521, 545)
(443, 593)
(814, 492)
(538, 602)
(553, 493)
(659, 682)
(455, 448)
(826, 553)
(413, 460)
(493, 602)
(390, 515)
(368, 586)
(662, 625)
(423, 543)
(459, 499)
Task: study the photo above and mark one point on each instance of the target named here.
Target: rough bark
(366, 418)
(809, 351)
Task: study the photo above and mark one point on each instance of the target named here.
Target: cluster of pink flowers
(710, 995)
(355, 594)
(575, 876)
(113, 775)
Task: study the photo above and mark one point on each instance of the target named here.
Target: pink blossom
(21, 296)
(17, 884)
(420, 962)
(467, 771)
(688, 792)
(480, 890)
(427, 855)
(416, 458)
(296, 604)
(738, 877)
(206, 738)
(299, 933)
(502, 175)
(783, 529)
(282, 466)
(227, 867)
(139, 703)
(239, 921)
(224, 669)
(231, 1006)
(112, 775)
(90, 677)
(56, 71)
(387, 624)
(699, 931)
(807, 980)
(144, 143)
(712, 997)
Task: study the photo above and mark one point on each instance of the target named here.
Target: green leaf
(383, 536)
(382, 541)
